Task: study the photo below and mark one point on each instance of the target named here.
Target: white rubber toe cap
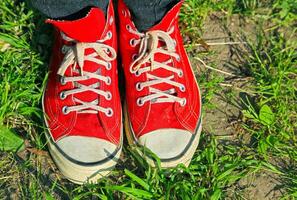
(86, 149)
(167, 143)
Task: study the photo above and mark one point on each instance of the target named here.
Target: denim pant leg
(145, 13)
(65, 8)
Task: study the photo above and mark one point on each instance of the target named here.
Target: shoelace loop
(75, 56)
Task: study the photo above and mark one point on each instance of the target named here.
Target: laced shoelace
(75, 56)
(149, 47)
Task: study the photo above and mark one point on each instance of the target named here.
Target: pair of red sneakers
(82, 104)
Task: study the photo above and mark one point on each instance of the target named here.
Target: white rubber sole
(81, 173)
(186, 156)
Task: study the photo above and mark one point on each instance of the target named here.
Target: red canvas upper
(95, 26)
(154, 116)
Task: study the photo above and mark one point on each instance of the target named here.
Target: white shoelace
(148, 48)
(75, 56)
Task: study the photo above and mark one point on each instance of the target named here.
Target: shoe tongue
(165, 24)
(87, 29)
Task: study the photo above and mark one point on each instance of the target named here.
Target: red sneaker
(82, 101)
(163, 102)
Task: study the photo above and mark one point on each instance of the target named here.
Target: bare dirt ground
(222, 120)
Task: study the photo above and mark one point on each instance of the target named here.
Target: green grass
(264, 140)
(272, 116)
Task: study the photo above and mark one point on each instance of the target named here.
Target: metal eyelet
(108, 67)
(182, 88)
(108, 82)
(110, 20)
(137, 73)
(183, 102)
(62, 96)
(180, 73)
(64, 49)
(174, 42)
(109, 112)
(171, 29)
(65, 110)
(62, 81)
(139, 87)
(139, 102)
(107, 51)
(134, 57)
(108, 96)
(132, 42)
(109, 35)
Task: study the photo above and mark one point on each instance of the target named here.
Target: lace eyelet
(180, 73)
(128, 27)
(63, 96)
(109, 35)
(65, 110)
(182, 88)
(174, 42)
(171, 30)
(108, 96)
(178, 58)
(64, 49)
(139, 87)
(137, 73)
(108, 67)
(183, 102)
(132, 42)
(110, 20)
(134, 57)
(108, 82)
(107, 51)
(62, 81)
(109, 112)
(139, 102)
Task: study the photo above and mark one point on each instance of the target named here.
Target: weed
(268, 118)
